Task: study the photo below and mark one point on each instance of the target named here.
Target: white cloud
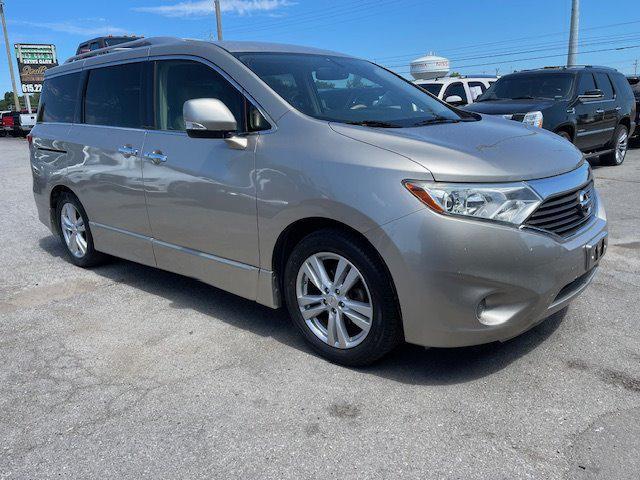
(205, 7)
(73, 29)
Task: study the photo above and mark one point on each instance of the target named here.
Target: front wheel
(341, 298)
(620, 144)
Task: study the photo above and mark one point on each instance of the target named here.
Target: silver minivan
(307, 178)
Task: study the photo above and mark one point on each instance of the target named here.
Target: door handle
(156, 157)
(128, 151)
(618, 108)
(599, 110)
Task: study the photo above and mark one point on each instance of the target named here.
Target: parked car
(7, 122)
(3, 131)
(307, 178)
(458, 90)
(103, 42)
(592, 107)
(635, 86)
(24, 122)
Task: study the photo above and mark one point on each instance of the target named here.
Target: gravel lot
(126, 371)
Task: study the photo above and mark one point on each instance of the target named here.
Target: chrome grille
(566, 213)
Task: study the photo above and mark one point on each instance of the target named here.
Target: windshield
(515, 87)
(636, 88)
(348, 90)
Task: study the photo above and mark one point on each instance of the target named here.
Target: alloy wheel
(334, 300)
(73, 230)
(621, 147)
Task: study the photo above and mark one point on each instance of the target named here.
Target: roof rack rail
(141, 42)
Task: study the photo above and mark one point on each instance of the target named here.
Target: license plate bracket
(595, 250)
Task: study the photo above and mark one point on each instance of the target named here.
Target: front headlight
(534, 119)
(502, 202)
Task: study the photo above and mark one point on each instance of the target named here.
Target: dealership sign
(33, 60)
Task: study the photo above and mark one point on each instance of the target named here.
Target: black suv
(635, 86)
(592, 107)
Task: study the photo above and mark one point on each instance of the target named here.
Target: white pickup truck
(26, 123)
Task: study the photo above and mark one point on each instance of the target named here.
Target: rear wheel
(74, 232)
(620, 144)
(340, 297)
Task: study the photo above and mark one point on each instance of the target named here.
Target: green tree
(7, 102)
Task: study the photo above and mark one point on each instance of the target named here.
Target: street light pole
(16, 100)
(216, 3)
(573, 34)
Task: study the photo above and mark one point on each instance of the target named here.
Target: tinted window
(522, 86)
(110, 42)
(586, 84)
(604, 84)
(432, 88)
(114, 96)
(347, 90)
(59, 99)
(456, 89)
(182, 80)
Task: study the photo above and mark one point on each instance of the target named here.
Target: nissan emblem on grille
(584, 202)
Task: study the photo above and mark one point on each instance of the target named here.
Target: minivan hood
(501, 107)
(489, 150)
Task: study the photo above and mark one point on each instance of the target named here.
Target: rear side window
(59, 99)
(604, 84)
(182, 80)
(114, 96)
(586, 84)
(432, 88)
(476, 89)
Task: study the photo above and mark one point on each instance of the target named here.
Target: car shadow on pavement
(409, 364)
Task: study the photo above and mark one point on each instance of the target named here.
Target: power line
(520, 52)
(536, 58)
(501, 42)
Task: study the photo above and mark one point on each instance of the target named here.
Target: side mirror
(210, 118)
(591, 95)
(454, 100)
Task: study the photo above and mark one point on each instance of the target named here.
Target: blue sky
(478, 36)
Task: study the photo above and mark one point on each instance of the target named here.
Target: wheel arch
(296, 231)
(567, 128)
(54, 196)
(626, 121)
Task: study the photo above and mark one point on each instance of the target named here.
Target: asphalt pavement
(125, 371)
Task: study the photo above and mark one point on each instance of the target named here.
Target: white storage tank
(430, 66)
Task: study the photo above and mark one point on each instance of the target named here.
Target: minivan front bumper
(466, 282)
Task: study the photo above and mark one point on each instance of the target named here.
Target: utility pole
(635, 68)
(16, 100)
(216, 3)
(573, 34)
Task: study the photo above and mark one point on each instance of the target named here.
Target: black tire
(91, 257)
(565, 135)
(385, 332)
(613, 159)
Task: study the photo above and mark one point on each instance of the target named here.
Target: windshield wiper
(434, 121)
(523, 97)
(375, 123)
